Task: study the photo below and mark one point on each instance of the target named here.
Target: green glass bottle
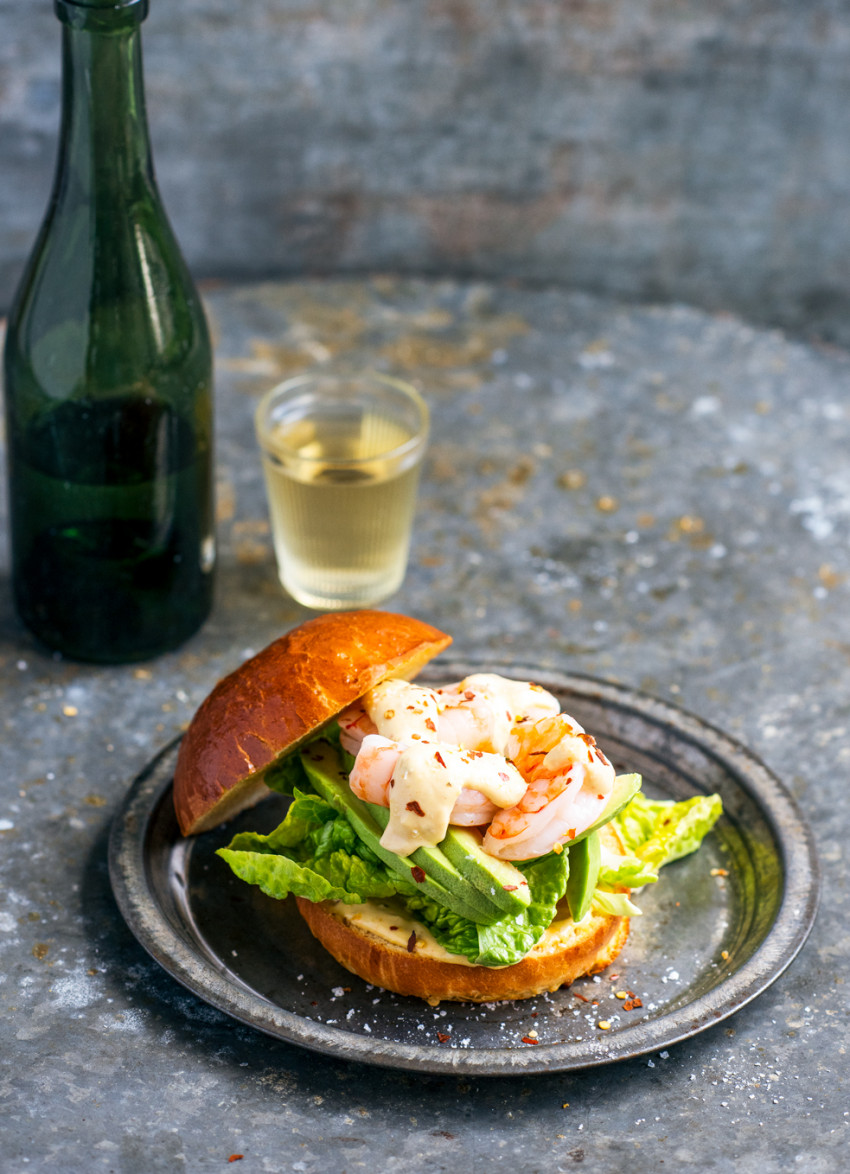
(108, 379)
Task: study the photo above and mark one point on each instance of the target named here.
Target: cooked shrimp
(354, 725)
(446, 784)
(472, 810)
(569, 781)
(483, 709)
(372, 774)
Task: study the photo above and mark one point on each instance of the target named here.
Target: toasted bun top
(275, 700)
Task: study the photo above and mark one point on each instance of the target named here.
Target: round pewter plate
(716, 930)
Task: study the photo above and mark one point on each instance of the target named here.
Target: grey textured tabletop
(651, 495)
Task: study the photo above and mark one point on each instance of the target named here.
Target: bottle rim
(101, 15)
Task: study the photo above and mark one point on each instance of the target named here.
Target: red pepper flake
(414, 807)
(510, 888)
(630, 1004)
(611, 977)
(594, 1002)
(576, 995)
(506, 778)
(469, 695)
(411, 943)
(533, 1014)
(429, 724)
(418, 874)
(443, 1037)
(438, 756)
(526, 1039)
(236, 1157)
(571, 834)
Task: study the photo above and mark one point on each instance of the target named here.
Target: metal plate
(717, 929)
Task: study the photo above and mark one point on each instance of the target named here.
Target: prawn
(569, 780)
(477, 713)
(372, 778)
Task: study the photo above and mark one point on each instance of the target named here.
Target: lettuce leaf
(614, 905)
(313, 853)
(660, 831)
(625, 872)
(509, 939)
(286, 775)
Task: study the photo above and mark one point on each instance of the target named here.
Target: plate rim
(791, 926)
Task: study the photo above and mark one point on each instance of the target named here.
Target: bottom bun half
(565, 952)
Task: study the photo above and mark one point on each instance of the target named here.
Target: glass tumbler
(341, 459)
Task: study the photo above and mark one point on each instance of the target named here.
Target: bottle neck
(104, 143)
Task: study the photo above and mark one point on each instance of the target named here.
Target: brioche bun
(273, 702)
(565, 952)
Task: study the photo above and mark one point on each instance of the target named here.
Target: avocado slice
(498, 879)
(439, 879)
(585, 859)
(436, 865)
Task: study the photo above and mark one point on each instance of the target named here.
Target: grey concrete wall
(683, 149)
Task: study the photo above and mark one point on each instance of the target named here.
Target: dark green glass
(108, 379)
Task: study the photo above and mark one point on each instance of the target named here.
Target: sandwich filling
(474, 811)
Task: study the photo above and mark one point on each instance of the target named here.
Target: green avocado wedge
(437, 866)
(585, 860)
(500, 880)
(431, 872)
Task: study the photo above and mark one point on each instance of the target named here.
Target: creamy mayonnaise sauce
(427, 780)
(387, 923)
(402, 711)
(382, 919)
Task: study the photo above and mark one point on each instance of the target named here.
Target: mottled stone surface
(660, 149)
(652, 495)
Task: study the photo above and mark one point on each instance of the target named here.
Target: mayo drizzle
(402, 711)
(427, 780)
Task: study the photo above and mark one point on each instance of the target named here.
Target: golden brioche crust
(275, 700)
(565, 952)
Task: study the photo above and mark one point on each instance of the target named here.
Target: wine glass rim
(411, 394)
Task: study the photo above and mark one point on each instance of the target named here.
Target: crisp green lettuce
(626, 872)
(313, 853)
(511, 937)
(659, 831)
(613, 905)
(286, 775)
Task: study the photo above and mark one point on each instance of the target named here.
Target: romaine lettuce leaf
(613, 905)
(313, 853)
(509, 939)
(659, 831)
(625, 872)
